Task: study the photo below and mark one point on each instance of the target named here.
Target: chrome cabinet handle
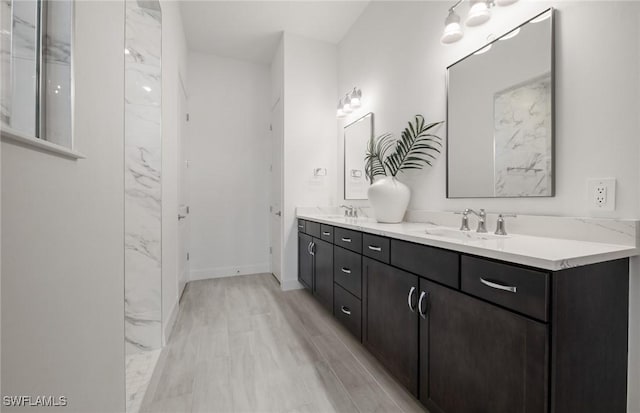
(300, 226)
(423, 294)
(309, 248)
(346, 310)
(346, 239)
(374, 248)
(326, 234)
(410, 300)
(312, 247)
(509, 288)
(345, 270)
(180, 217)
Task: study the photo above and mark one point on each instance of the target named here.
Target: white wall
(229, 155)
(310, 98)
(393, 53)
(63, 239)
(174, 66)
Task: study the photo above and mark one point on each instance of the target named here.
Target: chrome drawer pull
(410, 299)
(497, 286)
(346, 239)
(423, 294)
(373, 248)
(345, 270)
(325, 233)
(346, 310)
(300, 226)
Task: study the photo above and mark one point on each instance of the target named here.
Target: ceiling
(250, 30)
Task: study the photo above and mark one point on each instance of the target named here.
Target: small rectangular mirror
(356, 137)
(500, 116)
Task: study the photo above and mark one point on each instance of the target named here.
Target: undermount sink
(462, 235)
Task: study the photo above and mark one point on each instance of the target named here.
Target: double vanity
(472, 322)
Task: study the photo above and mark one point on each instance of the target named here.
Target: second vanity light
(479, 13)
(352, 100)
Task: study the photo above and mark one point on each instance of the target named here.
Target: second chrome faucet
(482, 220)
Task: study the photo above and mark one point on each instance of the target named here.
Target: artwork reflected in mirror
(500, 116)
(36, 66)
(356, 136)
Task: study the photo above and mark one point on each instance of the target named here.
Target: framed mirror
(500, 116)
(356, 137)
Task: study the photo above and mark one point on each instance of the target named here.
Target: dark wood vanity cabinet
(315, 263)
(390, 325)
(305, 259)
(323, 272)
(467, 334)
(476, 357)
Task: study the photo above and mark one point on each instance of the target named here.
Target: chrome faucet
(500, 229)
(350, 211)
(482, 220)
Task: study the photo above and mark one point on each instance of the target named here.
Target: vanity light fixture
(347, 104)
(340, 113)
(479, 13)
(352, 100)
(452, 29)
(355, 98)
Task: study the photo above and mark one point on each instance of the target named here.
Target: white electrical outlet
(602, 194)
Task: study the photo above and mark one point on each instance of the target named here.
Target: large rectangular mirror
(356, 137)
(500, 116)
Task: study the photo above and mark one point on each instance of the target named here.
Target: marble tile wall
(143, 266)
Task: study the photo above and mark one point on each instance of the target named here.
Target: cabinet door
(323, 288)
(477, 357)
(305, 260)
(390, 328)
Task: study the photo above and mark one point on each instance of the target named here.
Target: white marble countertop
(547, 253)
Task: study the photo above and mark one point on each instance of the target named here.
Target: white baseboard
(171, 322)
(287, 285)
(195, 275)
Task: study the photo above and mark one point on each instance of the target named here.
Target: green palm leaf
(415, 148)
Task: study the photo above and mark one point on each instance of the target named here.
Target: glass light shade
(355, 98)
(452, 29)
(452, 33)
(478, 14)
(339, 112)
(346, 108)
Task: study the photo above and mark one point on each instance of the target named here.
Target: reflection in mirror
(36, 37)
(500, 116)
(356, 136)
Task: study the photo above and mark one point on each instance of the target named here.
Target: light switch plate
(601, 194)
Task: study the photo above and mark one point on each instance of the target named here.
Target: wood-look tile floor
(240, 344)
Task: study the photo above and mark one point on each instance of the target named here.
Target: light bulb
(355, 98)
(478, 13)
(452, 29)
(346, 108)
(340, 113)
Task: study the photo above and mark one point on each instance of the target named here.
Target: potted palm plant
(387, 156)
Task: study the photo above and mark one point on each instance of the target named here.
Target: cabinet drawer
(312, 228)
(432, 263)
(326, 233)
(347, 270)
(519, 289)
(301, 225)
(346, 238)
(375, 247)
(348, 310)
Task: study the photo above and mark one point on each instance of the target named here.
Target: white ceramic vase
(389, 199)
